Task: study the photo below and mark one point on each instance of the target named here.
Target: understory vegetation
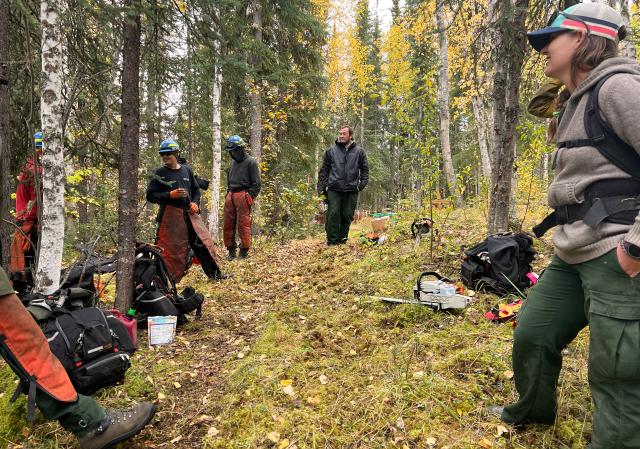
(295, 351)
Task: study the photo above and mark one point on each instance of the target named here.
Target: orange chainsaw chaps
(29, 346)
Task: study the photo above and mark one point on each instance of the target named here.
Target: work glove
(193, 208)
(177, 193)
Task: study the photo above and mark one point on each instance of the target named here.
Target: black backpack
(499, 264)
(92, 345)
(155, 291)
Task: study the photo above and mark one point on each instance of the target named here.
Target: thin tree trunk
(511, 43)
(443, 106)
(362, 110)
(216, 92)
(51, 114)
(628, 46)
(478, 112)
(545, 169)
(5, 147)
(129, 157)
(255, 93)
(190, 97)
(150, 112)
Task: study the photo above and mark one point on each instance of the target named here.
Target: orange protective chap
(28, 344)
(237, 212)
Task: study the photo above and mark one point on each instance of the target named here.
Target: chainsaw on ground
(438, 295)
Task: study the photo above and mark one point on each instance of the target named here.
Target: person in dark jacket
(175, 188)
(243, 186)
(343, 174)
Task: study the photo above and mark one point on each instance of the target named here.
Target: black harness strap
(615, 202)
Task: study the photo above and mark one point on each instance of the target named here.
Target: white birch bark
(478, 112)
(216, 90)
(51, 111)
(443, 106)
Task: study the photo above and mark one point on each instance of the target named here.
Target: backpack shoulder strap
(602, 137)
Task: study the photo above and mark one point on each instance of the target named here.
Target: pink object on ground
(129, 323)
(532, 277)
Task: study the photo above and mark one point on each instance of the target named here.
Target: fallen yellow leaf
(274, 437)
(484, 443)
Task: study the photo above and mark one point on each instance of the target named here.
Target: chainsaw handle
(431, 273)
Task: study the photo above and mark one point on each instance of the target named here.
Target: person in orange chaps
(243, 186)
(25, 349)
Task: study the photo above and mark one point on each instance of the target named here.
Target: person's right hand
(178, 193)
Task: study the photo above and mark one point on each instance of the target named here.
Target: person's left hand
(628, 264)
(193, 208)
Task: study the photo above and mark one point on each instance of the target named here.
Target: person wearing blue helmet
(180, 230)
(243, 186)
(22, 252)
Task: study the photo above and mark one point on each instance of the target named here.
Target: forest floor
(294, 352)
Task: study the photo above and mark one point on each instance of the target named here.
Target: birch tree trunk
(478, 112)
(51, 114)
(628, 47)
(129, 156)
(216, 91)
(511, 43)
(255, 94)
(5, 148)
(443, 107)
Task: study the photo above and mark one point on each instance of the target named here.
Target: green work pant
(77, 417)
(340, 209)
(565, 300)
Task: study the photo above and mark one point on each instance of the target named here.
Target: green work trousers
(77, 417)
(340, 209)
(566, 299)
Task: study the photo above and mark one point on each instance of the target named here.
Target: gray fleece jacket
(576, 168)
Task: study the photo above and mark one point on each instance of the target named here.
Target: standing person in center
(344, 173)
(243, 186)
(180, 230)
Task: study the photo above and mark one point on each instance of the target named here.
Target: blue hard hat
(37, 138)
(168, 146)
(235, 141)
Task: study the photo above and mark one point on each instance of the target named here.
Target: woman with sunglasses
(591, 278)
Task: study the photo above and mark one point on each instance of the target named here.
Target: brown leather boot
(117, 426)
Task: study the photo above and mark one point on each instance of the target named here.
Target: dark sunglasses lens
(167, 154)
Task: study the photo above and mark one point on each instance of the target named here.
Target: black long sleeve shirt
(244, 175)
(164, 180)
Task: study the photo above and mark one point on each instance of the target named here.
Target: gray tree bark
(5, 147)
(129, 156)
(511, 44)
(255, 93)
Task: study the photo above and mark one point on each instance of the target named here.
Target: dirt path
(231, 321)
